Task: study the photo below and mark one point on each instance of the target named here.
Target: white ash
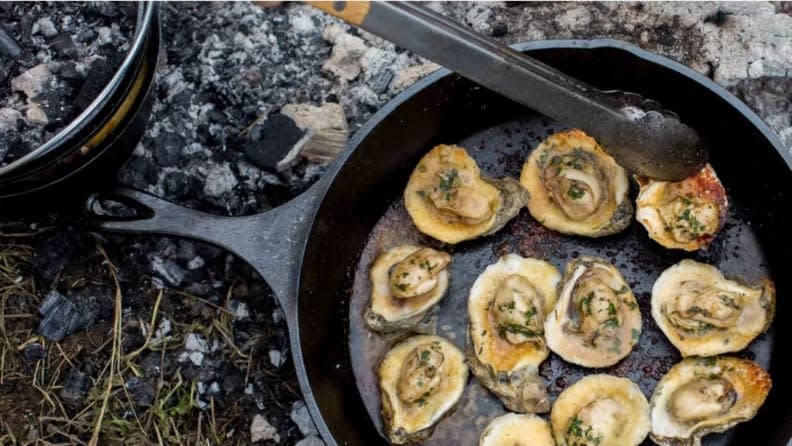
(262, 430)
(196, 343)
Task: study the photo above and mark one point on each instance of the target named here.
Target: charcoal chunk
(62, 317)
(75, 387)
(270, 141)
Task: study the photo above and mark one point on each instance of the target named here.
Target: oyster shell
(699, 396)
(506, 310)
(596, 321)
(421, 380)
(517, 430)
(406, 282)
(704, 314)
(575, 187)
(448, 199)
(600, 410)
(684, 214)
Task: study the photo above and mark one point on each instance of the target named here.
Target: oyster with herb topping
(684, 214)
(575, 187)
(448, 198)
(507, 307)
(596, 321)
(600, 410)
(700, 396)
(421, 380)
(705, 314)
(406, 282)
(517, 430)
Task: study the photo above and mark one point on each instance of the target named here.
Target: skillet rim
(329, 177)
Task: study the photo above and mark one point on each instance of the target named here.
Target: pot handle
(271, 241)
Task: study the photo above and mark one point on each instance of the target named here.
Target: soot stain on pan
(501, 151)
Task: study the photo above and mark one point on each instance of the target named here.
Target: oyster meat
(684, 214)
(596, 321)
(517, 430)
(705, 314)
(421, 380)
(600, 410)
(699, 396)
(406, 282)
(448, 198)
(507, 307)
(575, 187)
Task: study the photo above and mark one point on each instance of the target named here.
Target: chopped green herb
(623, 289)
(448, 181)
(636, 334)
(612, 322)
(631, 304)
(575, 192)
(401, 286)
(729, 301)
(586, 302)
(611, 309)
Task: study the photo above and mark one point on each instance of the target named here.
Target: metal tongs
(649, 141)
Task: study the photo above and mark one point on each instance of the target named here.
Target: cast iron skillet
(308, 250)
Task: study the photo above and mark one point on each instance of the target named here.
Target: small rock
(196, 358)
(196, 343)
(163, 329)
(45, 26)
(105, 35)
(9, 120)
(220, 180)
(141, 391)
(64, 45)
(34, 352)
(196, 263)
(272, 141)
(62, 317)
(239, 309)
(328, 125)
(35, 115)
(168, 270)
(96, 78)
(302, 419)
(214, 389)
(261, 430)
(33, 81)
(344, 61)
(75, 387)
(310, 441)
(275, 358)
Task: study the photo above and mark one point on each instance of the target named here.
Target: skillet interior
(451, 110)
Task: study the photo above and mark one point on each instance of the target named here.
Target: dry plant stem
(115, 354)
(150, 332)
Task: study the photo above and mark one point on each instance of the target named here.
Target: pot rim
(145, 15)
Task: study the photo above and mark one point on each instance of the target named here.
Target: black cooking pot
(309, 249)
(88, 150)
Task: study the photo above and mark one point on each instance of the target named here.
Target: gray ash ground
(219, 375)
(58, 57)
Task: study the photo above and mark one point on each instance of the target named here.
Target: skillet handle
(271, 241)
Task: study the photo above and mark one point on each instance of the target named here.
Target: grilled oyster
(517, 430)
(685, 214)
(704, 314)
(406, 282)
(506, 310)
(576, 188)
(600, 410)
(596, 321)
(448, 199)
(699, 396)
(421, 380)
